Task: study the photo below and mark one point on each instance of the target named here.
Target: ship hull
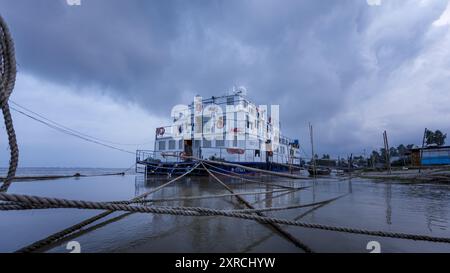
(180, 168)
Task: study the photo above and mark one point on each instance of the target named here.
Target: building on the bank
(430, 156)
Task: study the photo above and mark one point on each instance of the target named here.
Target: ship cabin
(225, 128)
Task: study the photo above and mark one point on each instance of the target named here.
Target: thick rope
(276, 196)
(274, 226)
(213, 162)
(64, 203)
(59, 235)
(12, 205)
(199, 197)
(8, 79)
(289, 207)
(240, 176)
(21, 206)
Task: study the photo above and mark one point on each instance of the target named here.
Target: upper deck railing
(222, 153)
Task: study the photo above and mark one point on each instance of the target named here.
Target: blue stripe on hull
(443, 160)
(178, 169)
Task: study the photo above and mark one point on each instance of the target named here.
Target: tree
(393, 152)
(439, 138)
(376, 157)
(436, 137)
(383, 155)
(401, 149)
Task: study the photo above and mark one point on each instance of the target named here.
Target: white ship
(227, 128)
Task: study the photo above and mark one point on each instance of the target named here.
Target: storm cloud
(352, 69)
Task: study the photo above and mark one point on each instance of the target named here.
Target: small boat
(319, 171)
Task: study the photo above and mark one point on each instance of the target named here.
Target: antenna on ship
(241, 90)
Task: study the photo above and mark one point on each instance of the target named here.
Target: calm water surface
(418, 209)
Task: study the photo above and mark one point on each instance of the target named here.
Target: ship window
(180, 145)
(230, 101)
(197, 143)
(162, 145)
(207, 129)
(206, 143)
(241, 143)
(220, 143)
(171, 144)
(257, 153)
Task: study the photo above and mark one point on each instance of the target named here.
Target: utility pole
(312, 149)
(387, 155)
(350, 163)
(421, 150)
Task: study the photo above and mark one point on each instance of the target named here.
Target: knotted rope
(8, 80)
(65, 203)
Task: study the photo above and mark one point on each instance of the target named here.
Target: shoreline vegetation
(432, 174)
(54, 177)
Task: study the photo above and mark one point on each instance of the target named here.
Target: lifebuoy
(161, 131)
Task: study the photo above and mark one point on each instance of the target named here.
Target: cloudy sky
(113, 69)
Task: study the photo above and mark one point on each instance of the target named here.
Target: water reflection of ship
(319, 171)
(388, 203)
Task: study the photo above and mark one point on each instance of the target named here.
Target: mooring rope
(8, 80)
(288, 207)
(59, 235)
(65, 203)
(252, 169)
(21, 206)
(240, 176)
(199, 197)
(274, 226)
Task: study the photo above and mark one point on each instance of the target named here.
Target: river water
(375, 205)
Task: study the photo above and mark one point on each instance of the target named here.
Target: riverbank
(435, 175)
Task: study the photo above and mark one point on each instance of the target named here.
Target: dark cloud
(311, 57)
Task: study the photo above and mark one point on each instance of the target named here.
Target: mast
(312, 148)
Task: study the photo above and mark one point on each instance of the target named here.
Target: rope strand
(8, 80)
(65, 203)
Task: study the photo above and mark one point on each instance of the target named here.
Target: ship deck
(178, 168)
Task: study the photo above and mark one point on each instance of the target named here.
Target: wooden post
(387, 152)
(421, 150)
(312, 149)
(350, 163)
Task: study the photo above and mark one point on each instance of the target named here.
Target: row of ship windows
(162, 144)
(172, 143)
(207, 144)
